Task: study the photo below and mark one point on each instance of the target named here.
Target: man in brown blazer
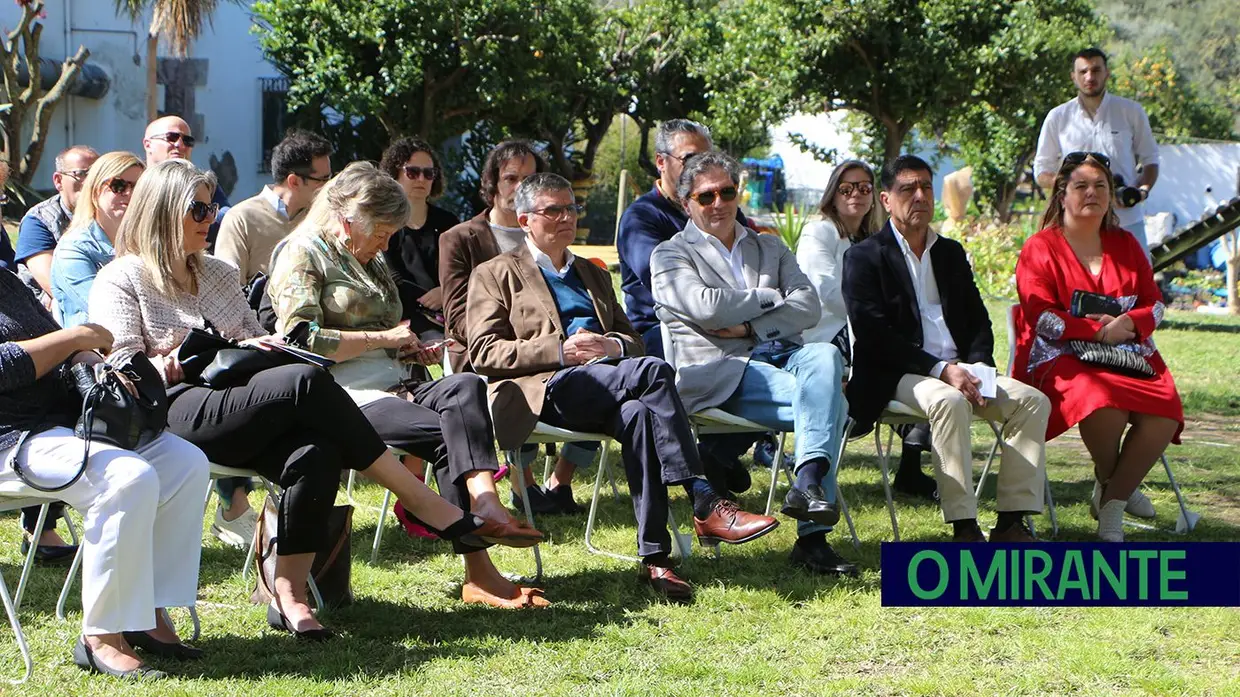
(546, 327)
(482, 238)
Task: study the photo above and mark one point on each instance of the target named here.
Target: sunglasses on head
(847, 188)
(201, 212)
(1073, 159)
(120, 187)
(427, 173)
(706, 198)
(171, 137)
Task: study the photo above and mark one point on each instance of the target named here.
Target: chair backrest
(1011, 330)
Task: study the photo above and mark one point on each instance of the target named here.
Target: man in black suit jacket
(919, 324)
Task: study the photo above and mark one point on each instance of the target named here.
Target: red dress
(1046, 275)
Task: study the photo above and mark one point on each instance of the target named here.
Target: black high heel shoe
(163, 649)
(86, 660)
(277, 620)
(476, 531)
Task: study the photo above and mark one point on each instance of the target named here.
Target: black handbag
(211, 360)
(332, 565)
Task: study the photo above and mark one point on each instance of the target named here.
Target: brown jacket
(461, 249)
(514, 334)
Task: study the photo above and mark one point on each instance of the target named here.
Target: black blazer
(886, 322)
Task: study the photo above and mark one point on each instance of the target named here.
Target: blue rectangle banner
(1080, 574)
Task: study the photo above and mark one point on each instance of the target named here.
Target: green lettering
(1166, 575)
(1119, 584)
(1015, 579)
(1072, 576)
(1143, 557)
(1037, 576)
(969, 576)
(912, 575)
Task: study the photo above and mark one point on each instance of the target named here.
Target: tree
(1177, 109)
(178, 22)
(13, 58)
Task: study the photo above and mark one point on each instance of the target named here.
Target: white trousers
(142, 522)
(1024, 412)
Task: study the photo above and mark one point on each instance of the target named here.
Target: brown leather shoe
(510, 533)
(527, 597)
(728, 523)
(1016, 533)
(665, 582)
(972, 534)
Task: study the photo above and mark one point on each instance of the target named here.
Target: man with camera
(1100, 122)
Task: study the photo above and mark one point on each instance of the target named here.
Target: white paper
(986, 374)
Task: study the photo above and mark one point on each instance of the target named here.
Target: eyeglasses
(562, 212)
(74, 174)
(706, 198)
(171, 137)
(312, 178)
(427, 173)
(682, 159)
(200, 211)
(847, 188)
(1073, 159)
(120, 187)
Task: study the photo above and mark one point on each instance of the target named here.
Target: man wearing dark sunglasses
(1098, 121)
(43, 225)
(734, 303)
(170, 138)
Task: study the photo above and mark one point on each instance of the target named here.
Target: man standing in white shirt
(1100, 122)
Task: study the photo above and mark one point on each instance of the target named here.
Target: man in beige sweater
(300, 165)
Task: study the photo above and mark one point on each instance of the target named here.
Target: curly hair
(399, 152)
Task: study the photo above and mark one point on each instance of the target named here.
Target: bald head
(167, 138)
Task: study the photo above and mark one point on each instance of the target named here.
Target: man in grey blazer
(735, 304)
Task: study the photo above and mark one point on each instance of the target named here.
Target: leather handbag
(332, 564)
(211, 360)
(1113, 358)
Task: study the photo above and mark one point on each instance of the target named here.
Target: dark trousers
(448, 424)
(634, 401)
(30, 516)
(293, 425)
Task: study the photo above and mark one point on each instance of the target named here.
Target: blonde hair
(154, 226)
(1053, 217)
(108, 167)
(362, 193)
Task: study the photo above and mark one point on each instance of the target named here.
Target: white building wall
(229, 102)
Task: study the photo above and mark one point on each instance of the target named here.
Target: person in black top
(413, 252)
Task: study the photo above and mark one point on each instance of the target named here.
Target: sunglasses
(847, 188)
(120, 187)
(705, 198)
(562, 212)
(427, 173)
(682, 159)
(172, 137)
(74, 174)
(1073, 159)
(201, 212)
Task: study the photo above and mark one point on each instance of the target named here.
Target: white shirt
(820, 254)
(507, 238)
(731, 257)
(1120, 129)
(269, 195)
(936, 338)
(545, 262)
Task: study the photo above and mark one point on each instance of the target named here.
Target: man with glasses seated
(735, 304)
(546, 327)
(170, 138)
(45, 223)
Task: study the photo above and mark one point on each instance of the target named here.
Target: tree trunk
(1231, 245)
(43, 113)
(894, 141)
(152, 77)
(643, 150)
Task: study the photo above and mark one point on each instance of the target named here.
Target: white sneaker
(235, 533)
(1111, 521)
(1140, 505)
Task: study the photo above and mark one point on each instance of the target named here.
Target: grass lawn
(758, 627)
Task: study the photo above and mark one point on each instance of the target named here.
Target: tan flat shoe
(526, 597)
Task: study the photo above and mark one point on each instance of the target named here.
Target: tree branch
(46, 107)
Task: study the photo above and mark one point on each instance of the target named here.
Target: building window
(276, 118)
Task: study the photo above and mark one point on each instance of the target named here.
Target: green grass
(758, 626)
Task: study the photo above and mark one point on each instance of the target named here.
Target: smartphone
(1087, 303)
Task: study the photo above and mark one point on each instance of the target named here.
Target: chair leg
(28, 566)
(64, 591)
(593, 516)
(883, 456)
(1050, 507)
(852, 529)
(1188, 519)
(374, 547)
(518, 479)
(777, 464)
(548, 463)
(683, 544)
(348, 488)
(314, 591)
(73, 536)
(18, 635)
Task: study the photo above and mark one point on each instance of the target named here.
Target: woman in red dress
(1081, 247)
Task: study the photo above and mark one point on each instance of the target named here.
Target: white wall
(230, 102)
(1185, 172)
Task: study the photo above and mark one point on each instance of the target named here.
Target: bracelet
(368, 339)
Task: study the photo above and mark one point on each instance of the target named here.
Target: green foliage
(1176, 108)
(993, 251)
(790, 223)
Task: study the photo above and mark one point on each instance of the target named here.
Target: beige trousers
(1021, 410)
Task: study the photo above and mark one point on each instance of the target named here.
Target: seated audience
(920, 324)
(655, 217)
(170, 138)
(300, 165)
(462, 249)
(735, 304)
(141, 511)
(413, 252)
(332, 276)
(45, 223)
(1082, 248)
(293, 424)
(545, 326)
(88, 243)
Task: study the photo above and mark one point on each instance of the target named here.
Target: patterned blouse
(317, 280)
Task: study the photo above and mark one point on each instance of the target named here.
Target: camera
(1128, 196)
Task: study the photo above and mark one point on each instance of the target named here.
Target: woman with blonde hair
(293, 424)
(332, 276)
(89, 242)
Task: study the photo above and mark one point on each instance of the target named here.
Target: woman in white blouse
(850, 213)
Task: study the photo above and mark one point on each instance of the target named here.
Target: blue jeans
(797, 388)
